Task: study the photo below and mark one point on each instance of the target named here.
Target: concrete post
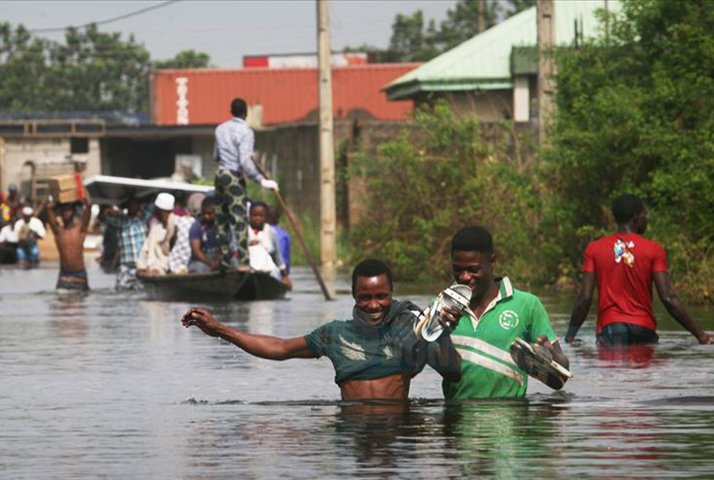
(545, 13)
(328, 255)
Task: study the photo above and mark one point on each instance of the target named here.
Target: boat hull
(213, 286)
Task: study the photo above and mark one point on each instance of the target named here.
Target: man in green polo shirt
(498, 315)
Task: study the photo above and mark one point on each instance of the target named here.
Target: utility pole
(481, 24)
(328, 255)
(545, 23)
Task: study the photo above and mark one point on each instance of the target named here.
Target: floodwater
(110, 385)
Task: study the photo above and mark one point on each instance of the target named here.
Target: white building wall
(521, 99)
(15, 151)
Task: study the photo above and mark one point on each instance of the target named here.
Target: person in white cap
(233, 150)
(28, 229)
(154, 256)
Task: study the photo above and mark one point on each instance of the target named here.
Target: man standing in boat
(375, 354)
(233, 150)
(69, 239)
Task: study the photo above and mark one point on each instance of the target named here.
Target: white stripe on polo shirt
(485, 347)
(490, 364)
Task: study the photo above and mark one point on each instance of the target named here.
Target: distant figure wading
(69, 239)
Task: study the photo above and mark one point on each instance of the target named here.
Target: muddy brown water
(109, 385)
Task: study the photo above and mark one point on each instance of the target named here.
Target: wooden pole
(481, 9)
(328, 255)
(545, 23)
(295, 224)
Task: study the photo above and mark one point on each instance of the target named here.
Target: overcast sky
(226, 30)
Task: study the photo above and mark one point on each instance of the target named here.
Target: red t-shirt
(623, 264)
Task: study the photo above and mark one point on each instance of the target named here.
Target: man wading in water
(69, 238)
(375, 354)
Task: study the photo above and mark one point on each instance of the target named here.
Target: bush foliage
(440, 174)
(635, 113)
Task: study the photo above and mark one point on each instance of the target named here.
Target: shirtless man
(69, 238)
(375, 354)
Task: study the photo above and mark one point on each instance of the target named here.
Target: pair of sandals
(536, 360)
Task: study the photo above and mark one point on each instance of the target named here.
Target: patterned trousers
(232, 215)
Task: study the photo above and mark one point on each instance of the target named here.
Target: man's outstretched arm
(581, 306)
(263, 346)
(674, 305)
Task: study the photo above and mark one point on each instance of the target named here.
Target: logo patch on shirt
(508, 320)
(623, 252)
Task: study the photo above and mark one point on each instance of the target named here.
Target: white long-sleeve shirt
(233, 148)
(34, 225)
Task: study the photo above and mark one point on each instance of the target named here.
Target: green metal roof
(484, 61)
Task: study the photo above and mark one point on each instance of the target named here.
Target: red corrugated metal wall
(287, 95)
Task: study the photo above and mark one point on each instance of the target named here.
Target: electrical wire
(108, 20)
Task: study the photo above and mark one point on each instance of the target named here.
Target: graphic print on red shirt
(623, 264)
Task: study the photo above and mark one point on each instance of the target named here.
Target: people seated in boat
(8, 244)
(181, 251)
(263, 247)
(154, 255)
(28, 230)
(375, 353)
(109, 252)
(69, 238)
(284, 239)
(132, 234)
(203, 237)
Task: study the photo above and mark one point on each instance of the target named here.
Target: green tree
(409, 41)
(636, 113)
(23, 69)
(185, 59)
(441, 173)
(462, 22)
(89, 70)
(414, 39)
(93, 70)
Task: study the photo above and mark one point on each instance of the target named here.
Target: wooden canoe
(213, 286)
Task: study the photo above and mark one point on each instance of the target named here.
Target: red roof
(287, 95)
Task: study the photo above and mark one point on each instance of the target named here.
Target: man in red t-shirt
(625, 265)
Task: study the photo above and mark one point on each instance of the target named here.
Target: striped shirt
(132, 234)
(233, 148)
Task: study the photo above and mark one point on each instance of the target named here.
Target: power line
(108, 20)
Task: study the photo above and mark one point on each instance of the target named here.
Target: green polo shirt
(487, 369)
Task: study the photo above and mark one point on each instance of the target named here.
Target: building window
(79, 145)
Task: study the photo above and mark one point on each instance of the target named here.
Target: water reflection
(504, 439)
(628, 356)
(69, 314)
(378, 432)
(95, 386)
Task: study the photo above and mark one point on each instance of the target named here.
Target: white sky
(226, 30)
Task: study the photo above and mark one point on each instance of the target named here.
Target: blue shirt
(284, 242)
(233, 148)
(208, 237)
